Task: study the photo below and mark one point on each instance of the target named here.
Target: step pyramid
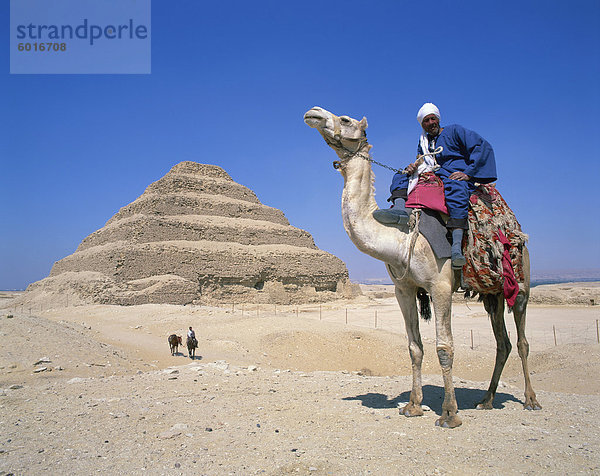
(197, 236)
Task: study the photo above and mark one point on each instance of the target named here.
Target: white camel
(422, 270)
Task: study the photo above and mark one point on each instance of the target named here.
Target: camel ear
(363, 123)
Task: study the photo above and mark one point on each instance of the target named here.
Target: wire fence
(550, 335)
(479, 336)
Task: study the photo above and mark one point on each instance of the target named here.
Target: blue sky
(231, 82)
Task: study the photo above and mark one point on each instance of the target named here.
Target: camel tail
(424, 304)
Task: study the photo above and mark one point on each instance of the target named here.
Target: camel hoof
(484, 406)
(411, 410)
(535, 406)
(448, 422)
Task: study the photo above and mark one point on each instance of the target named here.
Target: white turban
(426, 109)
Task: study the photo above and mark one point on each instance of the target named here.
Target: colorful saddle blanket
(493, 243)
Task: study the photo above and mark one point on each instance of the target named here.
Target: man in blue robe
(466, 158)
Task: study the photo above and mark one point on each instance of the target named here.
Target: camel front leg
(442, 304)
(520, 311)
(407, 299)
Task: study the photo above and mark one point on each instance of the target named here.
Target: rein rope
(414, 224)
(415, 216)
(336, 143)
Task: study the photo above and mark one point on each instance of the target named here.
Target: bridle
(336, 143)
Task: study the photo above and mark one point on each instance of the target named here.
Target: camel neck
(358, 205)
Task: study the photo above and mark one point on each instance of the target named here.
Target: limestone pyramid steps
(144, 229)
(183, 203)
(226, 263)
(178, 182)
(197, 236)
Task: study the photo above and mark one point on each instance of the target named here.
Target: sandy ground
(288, 390)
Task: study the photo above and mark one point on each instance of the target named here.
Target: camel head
(343, 134)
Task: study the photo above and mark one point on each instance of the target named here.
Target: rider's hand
(458, 176)
(411, 168)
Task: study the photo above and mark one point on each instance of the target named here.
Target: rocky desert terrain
(307, 389)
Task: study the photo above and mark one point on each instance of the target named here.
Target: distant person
(191, 334)
(466, 158)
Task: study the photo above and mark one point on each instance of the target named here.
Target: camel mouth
(314, 121)
(315, 118)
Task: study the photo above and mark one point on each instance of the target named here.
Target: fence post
(554, 331)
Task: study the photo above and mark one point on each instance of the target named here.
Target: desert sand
(309, 389)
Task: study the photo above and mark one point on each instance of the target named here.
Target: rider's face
(431, 124)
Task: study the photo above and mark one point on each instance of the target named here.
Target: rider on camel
(466, 158)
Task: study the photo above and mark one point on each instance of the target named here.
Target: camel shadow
(196, 357)
(433, 396)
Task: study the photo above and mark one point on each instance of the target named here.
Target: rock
(219, 364)
(118, 415)
(40, 369)
(15, 387)
(165, 435)
(76, 380)
(43, 360)
(171, 371)
(252, 368)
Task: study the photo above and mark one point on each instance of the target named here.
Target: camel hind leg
(494, 305)
(520, 311)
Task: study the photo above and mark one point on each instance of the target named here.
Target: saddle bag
(428, 193)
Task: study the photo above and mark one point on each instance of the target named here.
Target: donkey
(174, 343)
